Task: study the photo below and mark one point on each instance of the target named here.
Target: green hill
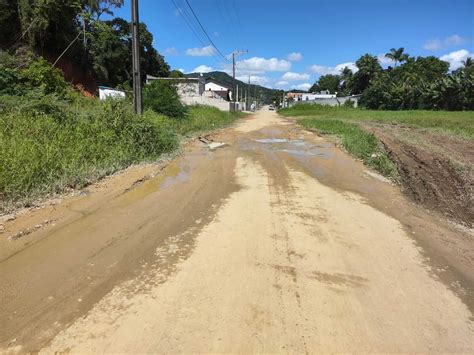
(265, 95)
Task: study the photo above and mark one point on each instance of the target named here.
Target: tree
(346, 81)
(162, 97)
(369, 67)
(397, 55)
(176, 74)
(329, 82)
(109, 49)
(469, 62)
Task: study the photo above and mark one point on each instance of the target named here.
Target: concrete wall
(330, 101)
(203, 100)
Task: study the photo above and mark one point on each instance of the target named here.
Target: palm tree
(469, 62)
(397, 55)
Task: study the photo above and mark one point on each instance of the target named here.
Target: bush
(162, 97)
(349, 104)
(21, 75)
(73, 145)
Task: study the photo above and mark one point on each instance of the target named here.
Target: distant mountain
(266, 95)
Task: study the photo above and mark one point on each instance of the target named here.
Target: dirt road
(277, 242)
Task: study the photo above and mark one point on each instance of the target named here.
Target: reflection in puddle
(297, 147)
(271, 140)
(307, 152)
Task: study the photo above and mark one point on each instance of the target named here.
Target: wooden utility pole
(137, 83)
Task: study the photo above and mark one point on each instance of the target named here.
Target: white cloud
(170, 51)
(254, 79)
(456, 58)
(281, 83)
(384, 60)
(294, 57)
(202, 69)
(290, 76)
(437, 44)
(201, 52)
(323, 70)
(304, 86)
(181, 70)
(257, 64)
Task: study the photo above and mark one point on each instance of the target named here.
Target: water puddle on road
(297, 147)
(173, 173)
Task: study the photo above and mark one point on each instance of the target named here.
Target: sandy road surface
(278, 242)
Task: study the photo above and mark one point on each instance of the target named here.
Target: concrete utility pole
(234, 54)
(137, 83)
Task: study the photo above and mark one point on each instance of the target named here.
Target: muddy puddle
(299, 147)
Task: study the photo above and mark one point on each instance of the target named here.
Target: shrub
(162, 97)
(18, 75)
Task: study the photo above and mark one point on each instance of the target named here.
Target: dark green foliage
(327, 82)
(369, 68)
(17, 77)
(421, 83)
(161, 96)
(397, 55)
(100, 50)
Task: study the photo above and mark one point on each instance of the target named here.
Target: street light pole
(137, 83)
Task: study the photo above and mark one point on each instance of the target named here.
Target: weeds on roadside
(460, 123)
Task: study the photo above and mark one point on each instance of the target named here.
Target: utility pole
(234, 54)
(137, 83)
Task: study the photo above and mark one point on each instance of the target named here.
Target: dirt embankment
(436, 170)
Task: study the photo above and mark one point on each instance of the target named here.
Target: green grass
(460, 123)
(202, 118)
(49, 145)
(357, 142)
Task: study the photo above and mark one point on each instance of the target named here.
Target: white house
(192, 91)
(218, 89)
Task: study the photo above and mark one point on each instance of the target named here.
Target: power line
(189, 23)
(205, 32)
(184, 16)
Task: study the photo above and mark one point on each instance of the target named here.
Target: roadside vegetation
(53, 138)
(361, 144)
(460, 123)
(430, 153)
(409, 83)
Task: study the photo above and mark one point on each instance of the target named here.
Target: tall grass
(46, 150)
(49, 145)
(204, 118)
(456, 122)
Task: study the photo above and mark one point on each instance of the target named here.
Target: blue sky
(291, 43)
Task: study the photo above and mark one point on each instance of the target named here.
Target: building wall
(189, 88)
(203, 100)
(214, 87)
(336, 101)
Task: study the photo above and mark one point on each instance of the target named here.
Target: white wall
(203, 100)
(214, 87)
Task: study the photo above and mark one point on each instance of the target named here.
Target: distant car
(271, 108)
